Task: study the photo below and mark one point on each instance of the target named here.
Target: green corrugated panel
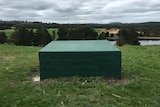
(80, 58)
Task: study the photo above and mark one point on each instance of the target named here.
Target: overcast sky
(81, 11)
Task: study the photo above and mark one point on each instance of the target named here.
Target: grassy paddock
(50, 30)
(140, 84)
(98, 30)
(8, 32)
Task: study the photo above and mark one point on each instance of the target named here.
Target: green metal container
(80, 58)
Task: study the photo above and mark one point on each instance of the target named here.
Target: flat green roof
(79, 46)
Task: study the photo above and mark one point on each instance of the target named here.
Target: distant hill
(115, 23)
(144, 25)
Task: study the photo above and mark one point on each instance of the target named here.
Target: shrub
(129, 36)
(3, 38)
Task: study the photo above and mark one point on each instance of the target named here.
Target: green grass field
(8, 32)
(139, 87)
(98, 30)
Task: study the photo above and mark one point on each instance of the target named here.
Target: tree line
(149, 28)
(77, 33)
(27, 37)
(36, 34)
(40, 36)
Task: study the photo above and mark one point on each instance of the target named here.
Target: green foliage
(62, 33)
(77, 33)
(22, 36)
(148, 28)
(27, 37)
(128, 36)
(103, 36)
(3, 38)
(139, 86)
(42, 37)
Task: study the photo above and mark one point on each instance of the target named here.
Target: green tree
(22, 36)
(77, 33)
(73, 34)
(129, 36)
(133, 37)
(42, 37)
(121, 37)
(107, 34)
(90, 33)
(86, 33)
(15, 37)
(103, 35)
(3, 38)
(29, 37)
(62, 33)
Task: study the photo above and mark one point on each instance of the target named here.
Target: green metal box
(80, 58)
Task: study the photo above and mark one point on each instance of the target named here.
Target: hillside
(139, 86)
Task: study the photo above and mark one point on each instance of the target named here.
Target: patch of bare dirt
(119, 81)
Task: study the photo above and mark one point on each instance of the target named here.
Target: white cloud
(81, 11)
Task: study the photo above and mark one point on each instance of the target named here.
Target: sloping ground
(139, 87)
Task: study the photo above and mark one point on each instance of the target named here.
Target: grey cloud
(81, 11)
(24, 5)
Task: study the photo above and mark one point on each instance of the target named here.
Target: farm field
(139, 87)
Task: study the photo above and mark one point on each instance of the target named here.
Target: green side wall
(64, 64)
